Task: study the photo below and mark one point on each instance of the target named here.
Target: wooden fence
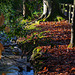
(68, 11)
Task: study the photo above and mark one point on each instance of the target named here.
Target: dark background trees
(33, 8)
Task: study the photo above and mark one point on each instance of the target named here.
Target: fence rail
(68, 11)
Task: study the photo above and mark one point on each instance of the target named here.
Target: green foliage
(33, 12)
(35, 52)
(59, 18)
(6, 9)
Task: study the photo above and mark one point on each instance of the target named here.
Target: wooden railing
(68, 11)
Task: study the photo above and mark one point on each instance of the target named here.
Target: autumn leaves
(7, 29)
(1, 49)
(1, 19)
(1, 23)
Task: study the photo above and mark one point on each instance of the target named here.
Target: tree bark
(24, 8)
(51, 9)
(55, 10)
(72, 42)
(46, 9)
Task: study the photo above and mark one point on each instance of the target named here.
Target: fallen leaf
(7, 29)
(3, 74)
(1, 49)
(1, 19)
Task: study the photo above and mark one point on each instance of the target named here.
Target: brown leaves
(73, 69)
(21, 39)
(3, 74)
(45, 70)
(1, 19)
(58, 69)
(60, 60)
(7, 29)
(1, 49)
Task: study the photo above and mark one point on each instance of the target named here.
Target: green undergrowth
(35, 38)
(59, 18)
(36, 53)
(32, 31)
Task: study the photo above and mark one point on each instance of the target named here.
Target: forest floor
(58, 59)
(49, 44)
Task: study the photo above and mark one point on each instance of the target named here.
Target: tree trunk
(55, 10)
(46, 9)
(24, 8)
(72, 42)
(51, 8)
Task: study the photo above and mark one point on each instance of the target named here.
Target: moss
(36, 53)
(41, 33)
(70, 45)
(36, 50)
(32, 26)
(59, 18)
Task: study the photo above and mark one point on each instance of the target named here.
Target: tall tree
(72, 42)
(24, 8)
(46, 9)
(50, 8)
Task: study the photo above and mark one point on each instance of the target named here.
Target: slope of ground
(49, 42)
(56, 59)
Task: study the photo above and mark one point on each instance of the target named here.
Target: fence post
(66, 9)
(70, 13)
